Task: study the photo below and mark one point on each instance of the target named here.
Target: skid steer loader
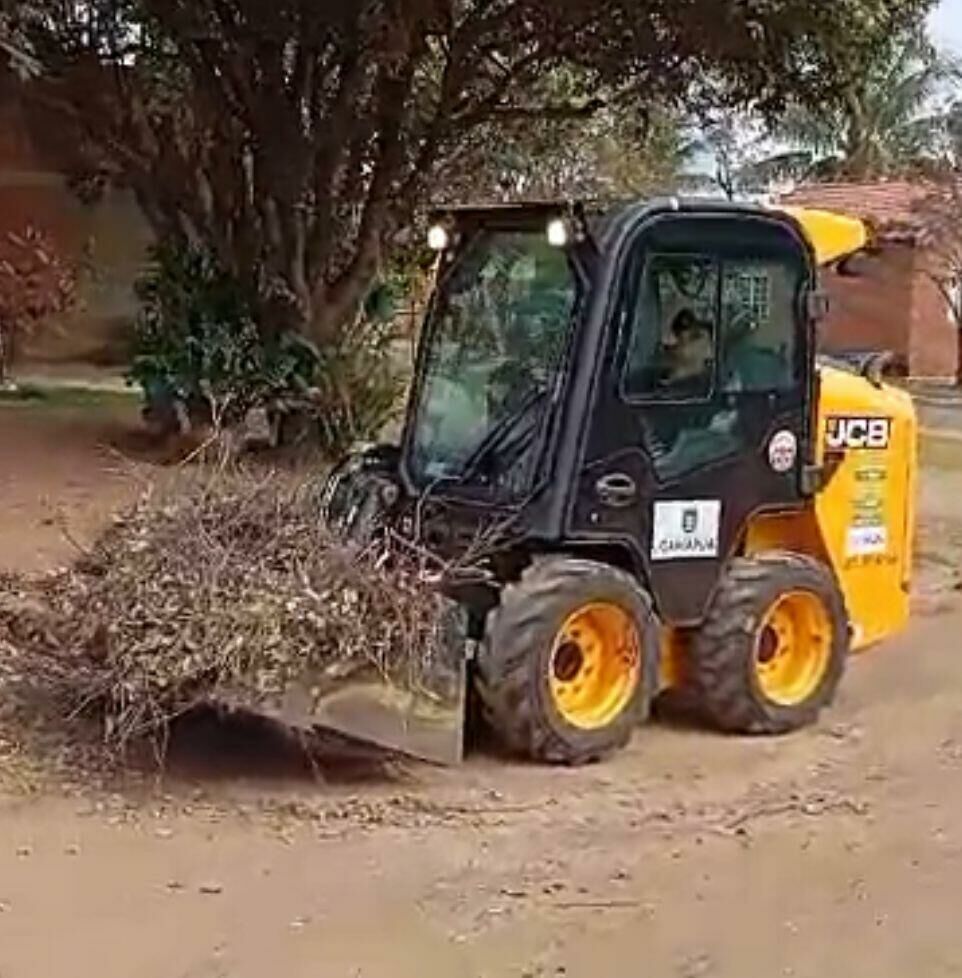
(674, 490)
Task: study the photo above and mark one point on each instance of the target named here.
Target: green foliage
(198, 342)
(620, 146)
(393, 287)
(889, 121)
(199, 346)
(296, 139)
(358, 387)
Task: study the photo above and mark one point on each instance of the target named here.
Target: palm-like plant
(887, 122)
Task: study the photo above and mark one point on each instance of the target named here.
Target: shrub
(36, 283)
(198, 343)
(202, 356)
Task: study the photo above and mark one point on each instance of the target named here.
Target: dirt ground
(837, 851)
(61, 475)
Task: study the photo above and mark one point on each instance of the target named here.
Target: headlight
(558, 233)
(438, 238)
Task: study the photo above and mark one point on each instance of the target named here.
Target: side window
(673, 329)
(758, 325)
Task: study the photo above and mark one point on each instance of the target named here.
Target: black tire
(513, 668)
(722, 675)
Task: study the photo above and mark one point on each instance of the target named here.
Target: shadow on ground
(48, 740)
(211, 745)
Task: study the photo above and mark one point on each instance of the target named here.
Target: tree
(953, 130)
(735, 146)
(887, 122)
(623, 148)
(14, 46)
(294, 138)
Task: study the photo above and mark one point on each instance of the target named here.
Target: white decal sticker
(783, 451)
(685, 530)
(864, 541)
(856, 433)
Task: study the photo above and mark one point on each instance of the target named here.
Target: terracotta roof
(890, 207)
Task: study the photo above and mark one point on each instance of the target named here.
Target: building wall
(872, 309)
(894, 304)
(108, 240)
(934, 348)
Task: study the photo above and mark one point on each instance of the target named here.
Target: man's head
(692, 348)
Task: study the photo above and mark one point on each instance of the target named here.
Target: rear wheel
(565, 671)
(771, 652)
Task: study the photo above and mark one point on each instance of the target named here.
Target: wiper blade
(503, 433)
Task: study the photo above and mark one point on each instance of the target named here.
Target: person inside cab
(689, 356)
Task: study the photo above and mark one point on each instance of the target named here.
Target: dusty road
(837, 851)
(58, 468)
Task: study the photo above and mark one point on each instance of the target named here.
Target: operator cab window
(673, 329)
(671, 359)
(497, 333)
(709, 337)
(693, 311)
(759, 301)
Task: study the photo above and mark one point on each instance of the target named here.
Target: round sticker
(782, 451)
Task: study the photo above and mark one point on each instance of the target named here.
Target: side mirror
(817, 305)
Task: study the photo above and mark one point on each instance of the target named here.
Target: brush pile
(216, 586)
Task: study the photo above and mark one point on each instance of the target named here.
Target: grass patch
(65, 396)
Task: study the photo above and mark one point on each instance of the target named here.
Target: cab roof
(832, 236)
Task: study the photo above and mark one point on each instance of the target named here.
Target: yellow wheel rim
(595, 665)
(793, 648)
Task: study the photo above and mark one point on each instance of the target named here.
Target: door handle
(617, 490)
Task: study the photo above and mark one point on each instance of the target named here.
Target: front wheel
(566, 669)
(772, 649)
(359, 493)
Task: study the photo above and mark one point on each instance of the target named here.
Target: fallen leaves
(223, 589)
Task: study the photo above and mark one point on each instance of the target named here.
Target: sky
(946, 25)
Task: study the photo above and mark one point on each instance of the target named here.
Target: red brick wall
(873, 308)
(109, 238)
(891, 303)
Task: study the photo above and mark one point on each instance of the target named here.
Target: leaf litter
(218, 587)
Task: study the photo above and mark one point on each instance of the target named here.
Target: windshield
(496, 340)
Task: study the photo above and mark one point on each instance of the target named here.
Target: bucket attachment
(420, 714)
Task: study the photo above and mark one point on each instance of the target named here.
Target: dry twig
(220, 585)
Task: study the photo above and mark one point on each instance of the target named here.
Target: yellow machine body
(832, 236)
(861, 521)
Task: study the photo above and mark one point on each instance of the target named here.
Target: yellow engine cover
(832, 236)
(866, 512)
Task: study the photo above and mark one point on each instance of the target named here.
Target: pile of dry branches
(219, 585)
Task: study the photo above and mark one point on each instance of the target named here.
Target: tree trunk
(340, 305)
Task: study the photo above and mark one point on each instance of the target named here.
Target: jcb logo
(871, 433)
